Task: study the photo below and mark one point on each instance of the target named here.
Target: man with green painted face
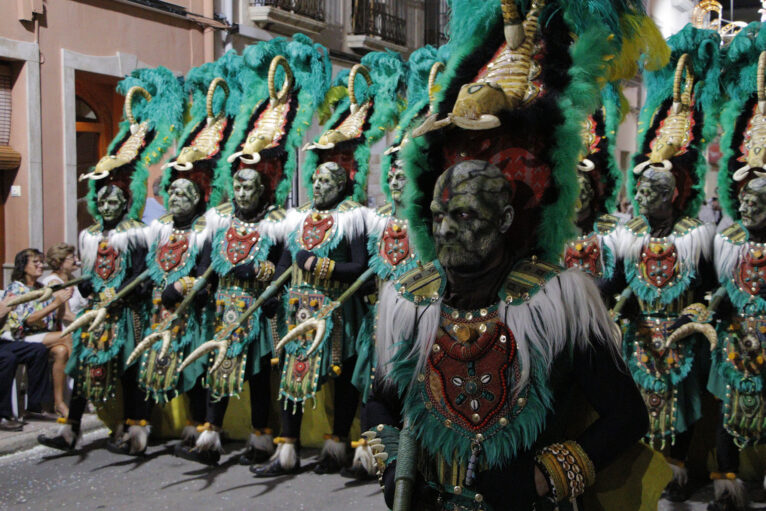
(666, 257)
(179, 253)
(482, 338)
(113, 252)
(245, 248)
(737, 372)
(327, 252)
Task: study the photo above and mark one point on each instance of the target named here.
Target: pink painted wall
(95, 28)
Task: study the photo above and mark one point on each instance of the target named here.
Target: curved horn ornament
(36, 295)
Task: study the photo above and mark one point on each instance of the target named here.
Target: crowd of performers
(508, 339)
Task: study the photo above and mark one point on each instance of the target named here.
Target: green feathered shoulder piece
(132, 155)
(740, 82)
(358, 122)
(215, 90)
(700, 122)
(533, 133)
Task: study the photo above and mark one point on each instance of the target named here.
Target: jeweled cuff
(568, 469)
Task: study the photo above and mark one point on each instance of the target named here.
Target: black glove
(424, 497)
(244, 271)
(85, 288)
(681, 321)
(270, 307)
(171, 297)
(302, 256)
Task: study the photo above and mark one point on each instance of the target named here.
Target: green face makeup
(471, 213)
(183, 199)
(248, 190)
(329, 183)
(585, 198)
(111, 204)
(397, 181)
(752, 205)
(654, 194)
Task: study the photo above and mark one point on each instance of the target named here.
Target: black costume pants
(198, 396)
(134, 403)
(35, 356)
(727, 453)
(260, 399)
(345, 402)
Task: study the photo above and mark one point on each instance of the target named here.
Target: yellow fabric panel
(170, 419)
(634, 482)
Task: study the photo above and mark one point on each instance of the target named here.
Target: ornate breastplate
(317, 228)
(241, 239)
(584, 253)
(174, 252)
(751, 274)
(107, 261)
(394, 246)
(659, 263)
(471, 370)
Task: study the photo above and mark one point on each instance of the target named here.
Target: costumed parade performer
(250, 234)
(113, 252)
(327, 253)
(390, 252)
(599, 179)
(485, 344)
(665, 251)
(737, 371)
(181, 316)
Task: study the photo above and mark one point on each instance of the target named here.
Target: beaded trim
(568, 469)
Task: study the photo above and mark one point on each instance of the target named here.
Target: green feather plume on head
(164, 113)
(702, 46)
(615, 108)
(388, 74)
(740, 80)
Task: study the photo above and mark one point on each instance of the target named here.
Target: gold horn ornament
(754, 142)
(205, 144)
(508, 82)
(675, 130)
(352, 125)
(128, 151)
(269, 128)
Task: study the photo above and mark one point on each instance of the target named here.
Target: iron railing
(384, 19)
(313, 9)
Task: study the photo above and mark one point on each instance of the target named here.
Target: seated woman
(63, 263)
(37, 321)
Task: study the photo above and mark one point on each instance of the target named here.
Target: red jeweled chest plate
(659, 262)
(751, 273)
(395, 244)
(106, 261)
(468, 381)
(315, 229)
(584, 254)
(239, 245)
(172, 253)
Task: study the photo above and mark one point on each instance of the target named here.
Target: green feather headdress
(420, 68)
(205, 109)
(310, 70)
(388, 74)
(164, 115)
(689, 166)
(538, 142)
(740, 81)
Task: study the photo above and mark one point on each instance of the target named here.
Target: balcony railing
(385, 20)
(310, 8)
(436, 17)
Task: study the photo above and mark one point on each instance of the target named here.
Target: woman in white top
(63, 263)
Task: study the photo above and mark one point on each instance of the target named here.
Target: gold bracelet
(322, 268)
(187, 283)
(265, 271)
(568, 468)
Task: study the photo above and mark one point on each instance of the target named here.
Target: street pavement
(41, 479)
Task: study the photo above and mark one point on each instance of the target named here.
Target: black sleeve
(137, 267)
(610, 287)
(204, 260)
(285, 261)
(350, 271)
(609, 388)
